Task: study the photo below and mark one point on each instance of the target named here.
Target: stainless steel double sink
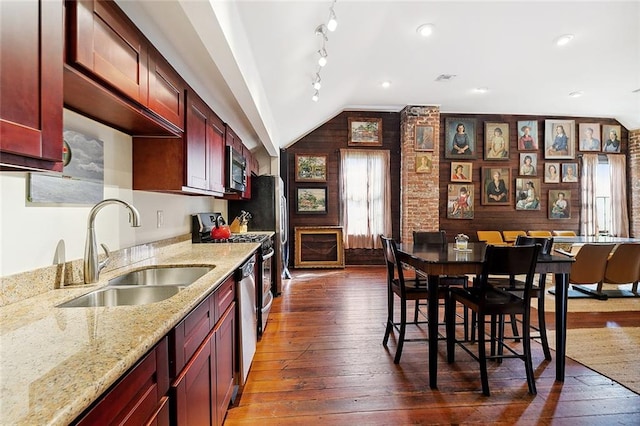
(141, 287)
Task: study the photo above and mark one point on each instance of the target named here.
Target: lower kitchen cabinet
(202, 352)
(139, 397)
(202, 391)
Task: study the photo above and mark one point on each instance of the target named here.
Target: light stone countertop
(54, 362)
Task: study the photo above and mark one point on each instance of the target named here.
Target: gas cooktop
(202, 223)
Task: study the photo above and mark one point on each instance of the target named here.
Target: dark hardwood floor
(321, 361)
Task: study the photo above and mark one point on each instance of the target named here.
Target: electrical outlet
(160, 217)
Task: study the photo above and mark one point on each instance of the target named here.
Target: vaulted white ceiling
(254, 61)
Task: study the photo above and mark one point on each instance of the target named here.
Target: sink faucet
(92, 267)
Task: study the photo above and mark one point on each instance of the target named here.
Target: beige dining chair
(564, 233)
(589, 267)
(511, 236)
(623, 267)
(537, 233)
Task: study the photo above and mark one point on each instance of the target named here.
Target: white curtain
(366, 197)
(588, 225)
(618, 182)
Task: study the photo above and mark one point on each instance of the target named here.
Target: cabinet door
(225, 340)
(138, 397)
(215, 140)
(166, 90)
(106, 43)
(197, 156)
(194, 389)
(31, 47)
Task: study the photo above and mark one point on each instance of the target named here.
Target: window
(603, 195)
(366, 197)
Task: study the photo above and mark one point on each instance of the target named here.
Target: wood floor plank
(321, 361)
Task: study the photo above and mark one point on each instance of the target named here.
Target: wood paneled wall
(329, 138)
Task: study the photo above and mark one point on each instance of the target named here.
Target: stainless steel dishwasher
(248, 326)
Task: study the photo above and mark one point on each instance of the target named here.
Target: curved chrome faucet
(92, 267)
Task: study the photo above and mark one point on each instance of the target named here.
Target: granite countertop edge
(55, 362)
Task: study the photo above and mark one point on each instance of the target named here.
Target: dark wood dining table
(434, 260)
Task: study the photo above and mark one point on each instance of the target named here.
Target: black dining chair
(488, 301)
(404, 288)
(516, 286)
(439, 238)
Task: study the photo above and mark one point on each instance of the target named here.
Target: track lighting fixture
(321, 30)
(322, 61)
(333, 21)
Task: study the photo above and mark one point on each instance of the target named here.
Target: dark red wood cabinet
(31, 48)
(139, 397)
(114, 75)
(202, 360)
(204, 138)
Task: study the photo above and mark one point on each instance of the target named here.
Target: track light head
(321, 30)
(322, 61)
(317, 82)
(333, 21)
(316, 96)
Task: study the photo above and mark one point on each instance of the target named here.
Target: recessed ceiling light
(425, 30)
(481, 90)
(445, 77)
(564, 39)
(386, 84)
(576, 94)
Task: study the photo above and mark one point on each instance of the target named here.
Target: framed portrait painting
(527, 194)
(589, 136)
(559, 204)
(528, 164)
(611, 138)
(569, 172)
(495, 186)
(559, 139)
(365, 131)
(460, 138)
(496, 141)
(461, 172)
(527, 135)
(423, 162)
(424, 138)
(460, 201)
(552, 173)
(311, 200)
(311, 168)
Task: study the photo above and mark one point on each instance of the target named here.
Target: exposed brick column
(633, 178)
(420, 196)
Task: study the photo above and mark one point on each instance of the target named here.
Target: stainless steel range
(201, 225)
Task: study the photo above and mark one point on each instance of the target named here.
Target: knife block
(237, 228)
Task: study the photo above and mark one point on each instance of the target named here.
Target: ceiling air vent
(445, 77)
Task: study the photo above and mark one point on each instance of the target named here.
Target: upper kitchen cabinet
(114, 75)
(31, 48)
(193, 164)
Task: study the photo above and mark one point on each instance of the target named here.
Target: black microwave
(236, 166)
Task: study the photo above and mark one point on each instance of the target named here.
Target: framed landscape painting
(460, 201)
(559, 139)
(311, 168)
(365, 131)
(460, 138)
(311, 200)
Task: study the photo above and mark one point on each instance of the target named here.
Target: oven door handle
(269, 254)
